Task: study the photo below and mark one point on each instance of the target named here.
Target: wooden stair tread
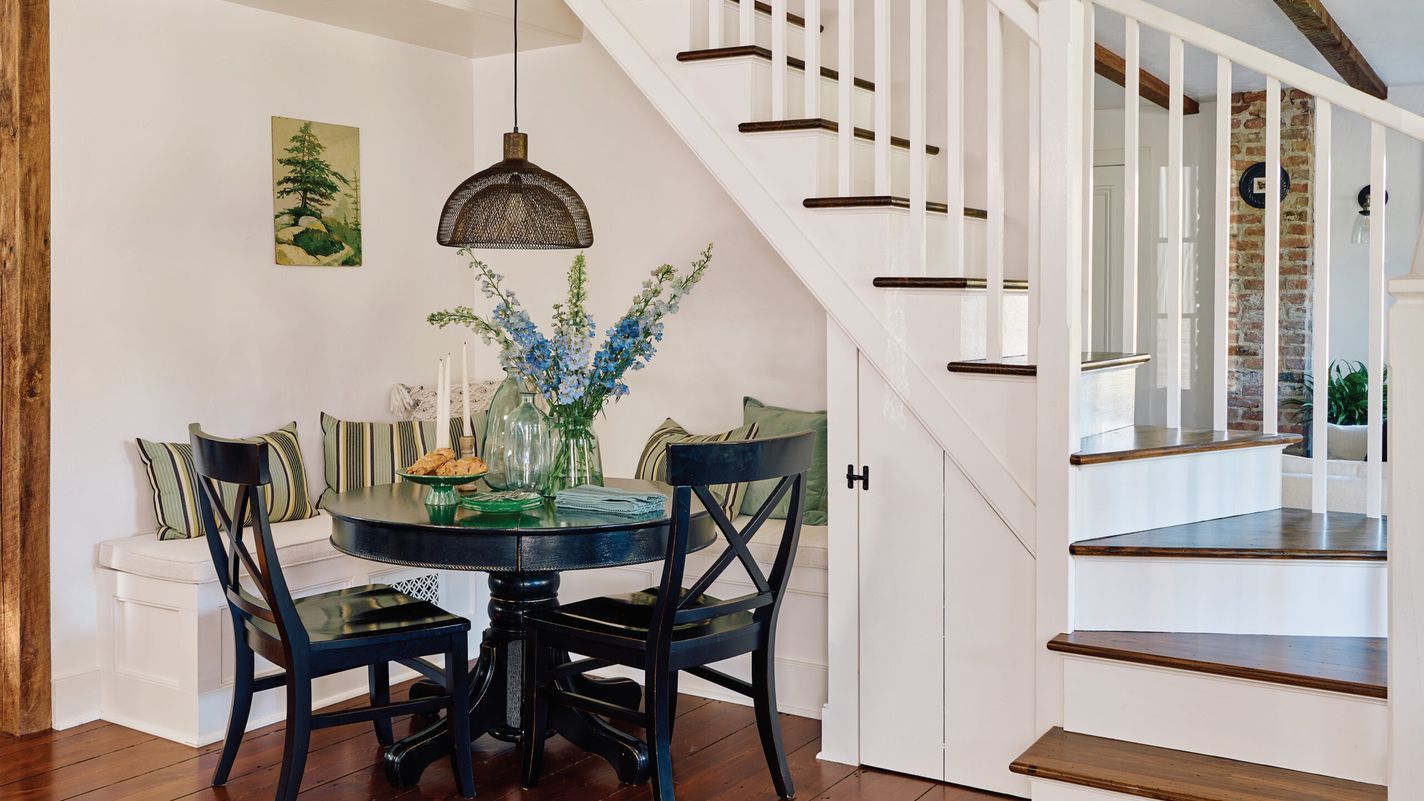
(883, 202)
(794, 20)
(944, 282)
(1273, 534)
(1019, 365)
(822, 124)
(1147, 442)
(1352, 665)
(757, 51)
(1166, 775)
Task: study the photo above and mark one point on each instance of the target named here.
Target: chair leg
(534, 714)
(457, 683)
(243, 667)
(379, 677)
(298, 735)
(672, 702)
(657, 703)
(768, 722)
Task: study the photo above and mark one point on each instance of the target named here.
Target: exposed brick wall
(1248, 234)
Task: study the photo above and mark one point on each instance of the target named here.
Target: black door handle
(863, 477)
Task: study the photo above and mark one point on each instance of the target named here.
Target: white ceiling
(471, 28)
(1387, 32)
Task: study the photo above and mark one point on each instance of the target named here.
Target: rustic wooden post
(24, 367)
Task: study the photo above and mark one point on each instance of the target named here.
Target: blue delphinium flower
(563, 367)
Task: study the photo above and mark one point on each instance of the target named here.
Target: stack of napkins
(610, 500)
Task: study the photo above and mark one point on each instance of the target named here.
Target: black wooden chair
(672, 628)
(315, 636)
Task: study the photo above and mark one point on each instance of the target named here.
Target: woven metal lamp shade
(515, 204)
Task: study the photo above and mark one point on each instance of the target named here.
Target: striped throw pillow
(652, 465)
(174, 479)
(360, 455)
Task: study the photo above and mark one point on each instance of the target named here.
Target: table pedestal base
(496, 690)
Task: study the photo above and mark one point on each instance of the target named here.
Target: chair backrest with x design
(243, 465)
(693, 468)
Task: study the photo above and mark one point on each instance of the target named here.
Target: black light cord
(516, 66)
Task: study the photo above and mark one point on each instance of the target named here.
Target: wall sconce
(1360, 233)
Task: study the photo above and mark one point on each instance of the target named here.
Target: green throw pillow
(774, 421)
(360, 455)
(174, 479)
(652, 465)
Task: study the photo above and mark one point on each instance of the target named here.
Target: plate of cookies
(442, 471)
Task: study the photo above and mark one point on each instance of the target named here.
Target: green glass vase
(577, 459)
(492, 447)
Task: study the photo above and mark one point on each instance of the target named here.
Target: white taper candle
(467, 421)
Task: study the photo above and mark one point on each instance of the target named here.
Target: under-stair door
(946, 610)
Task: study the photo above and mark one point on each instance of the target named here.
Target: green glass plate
(502, 502)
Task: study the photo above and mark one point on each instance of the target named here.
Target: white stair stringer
(643, 37)
(1315, 731)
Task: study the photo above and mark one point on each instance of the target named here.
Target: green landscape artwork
(316, 192)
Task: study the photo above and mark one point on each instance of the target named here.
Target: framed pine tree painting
(316, 193)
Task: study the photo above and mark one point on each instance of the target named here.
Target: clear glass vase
(576, 459)
(526, 446)
(502, 405)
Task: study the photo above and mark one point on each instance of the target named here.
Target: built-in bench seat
(165, 649)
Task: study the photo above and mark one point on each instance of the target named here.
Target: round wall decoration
(1253, 185)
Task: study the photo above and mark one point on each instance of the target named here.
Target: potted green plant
(1347, 416)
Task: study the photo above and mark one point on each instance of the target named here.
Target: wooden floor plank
(717, 757)
(1273, 534)
(1148, 442)
(1166, 775)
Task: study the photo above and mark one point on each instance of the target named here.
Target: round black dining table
(523, 555)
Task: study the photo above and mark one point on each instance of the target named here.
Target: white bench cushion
(302, 541)
(188, 561)
(810, 551)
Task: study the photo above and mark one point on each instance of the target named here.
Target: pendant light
(515, 204)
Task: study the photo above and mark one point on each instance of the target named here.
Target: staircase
(1192, 639)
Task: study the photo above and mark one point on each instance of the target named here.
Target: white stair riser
(731, 30)
(877, 241)
(826, 165)
(1140, 494)
(1108, 399)
(1231, 596)
(1333, 734)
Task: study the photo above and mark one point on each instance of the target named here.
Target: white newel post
(1060, 328)
(1406, 550)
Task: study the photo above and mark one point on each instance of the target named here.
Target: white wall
(168, 307)
(748, 328)
(1350, 263)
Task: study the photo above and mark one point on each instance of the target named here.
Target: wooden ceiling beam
(1112, 66)
(1314, 21)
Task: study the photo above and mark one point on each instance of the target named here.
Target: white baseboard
(800, 686)
(76, 698)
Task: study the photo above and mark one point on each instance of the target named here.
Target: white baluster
(882, 97)
(1320, 311)
(953, 152)
(1173, 295)
(813, 60)
(714, 23)
(918, 99)
(1221, 282)
(746, 23)
(1132, 171)
(1271, 295)
(1035, 185)
(1374, 465)
(845, 97)
(1089, 76)
(778, 60)
(994, 157)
